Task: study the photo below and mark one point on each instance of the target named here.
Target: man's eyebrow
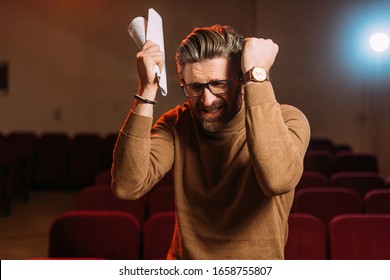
(210, 81)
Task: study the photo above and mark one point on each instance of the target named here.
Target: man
(236, 153)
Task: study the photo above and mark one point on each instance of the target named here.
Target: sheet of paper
(155, 34)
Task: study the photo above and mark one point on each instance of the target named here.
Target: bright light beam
(379, 42)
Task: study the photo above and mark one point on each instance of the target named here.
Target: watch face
(259, 74)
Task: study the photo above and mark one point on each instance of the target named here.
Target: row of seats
(313, 214)
(326, 144)
(327, 163)
(56, 159)
(327, 203)
(59, 160)
(347, 237)
(110, 235)
(327, 222)
(101, 198)
(101, 226)
(118, 235)
(50, 161)
(322, 202)
(361, 182)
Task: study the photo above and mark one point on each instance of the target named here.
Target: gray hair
(207, 43)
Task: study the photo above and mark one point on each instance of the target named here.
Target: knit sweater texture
(233, 189)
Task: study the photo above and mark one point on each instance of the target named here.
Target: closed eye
(219, 84)
(195, 87)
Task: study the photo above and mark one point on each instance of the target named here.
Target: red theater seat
(85, 159)
(326, 203)
(319, 161)
(108, 148)
(161, 200)
(7, 171)
(26, 144)
(101, 198)
(103, 178)
(158, 232)
(312, 179)
(307, 238)
(377, 201)
(356, 161)
(361, 182)
(52, 166)
(360, 237)
(95, 234)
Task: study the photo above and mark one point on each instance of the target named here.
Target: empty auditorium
(70, 84)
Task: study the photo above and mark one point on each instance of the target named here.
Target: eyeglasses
(215, 87)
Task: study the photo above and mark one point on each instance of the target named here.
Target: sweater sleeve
(141, 156)
(277, 136)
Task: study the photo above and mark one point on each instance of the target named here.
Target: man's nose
(207, 97)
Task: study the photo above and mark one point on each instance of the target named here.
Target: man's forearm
(277, 140)
(131, 157)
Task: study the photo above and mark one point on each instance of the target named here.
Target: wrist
(145, 100)
(148, 92)
(256, 74)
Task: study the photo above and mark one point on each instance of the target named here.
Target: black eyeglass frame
(207, 85)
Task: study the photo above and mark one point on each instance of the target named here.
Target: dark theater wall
(72, 63)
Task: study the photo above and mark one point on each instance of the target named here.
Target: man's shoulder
(177, 113)
(290, 110)
(292, 114)
(176, 116)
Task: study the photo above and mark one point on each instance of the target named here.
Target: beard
(209, 122)
(213, 118)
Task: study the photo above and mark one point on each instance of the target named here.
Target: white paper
(155, 34)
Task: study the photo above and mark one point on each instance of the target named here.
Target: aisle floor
(24, 234)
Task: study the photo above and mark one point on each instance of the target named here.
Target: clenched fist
(258, 52)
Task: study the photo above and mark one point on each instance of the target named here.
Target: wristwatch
(256, 74)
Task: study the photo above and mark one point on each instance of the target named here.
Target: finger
(149, 44)
(146, 61)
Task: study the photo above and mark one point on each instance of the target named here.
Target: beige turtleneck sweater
(233, 189)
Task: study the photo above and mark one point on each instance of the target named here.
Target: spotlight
(379, 42)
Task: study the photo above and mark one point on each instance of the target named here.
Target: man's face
(214, 111)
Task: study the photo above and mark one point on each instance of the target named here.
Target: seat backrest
(7, 172)
(52, 161)
(361, 182)
(319, 161)
(356, 161)
(326, 203)
(338, 148)
(88, 143)
(158, 232)
(101, 198)
(307, 238)
(95, 234)
(54, 143)
(360, 237)
(108, 148)
(85, 159)
(7, 153)
(377, 201)
(26, 142)
(161, 200)
(103, 177)
(312, 179)
(320, 144)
